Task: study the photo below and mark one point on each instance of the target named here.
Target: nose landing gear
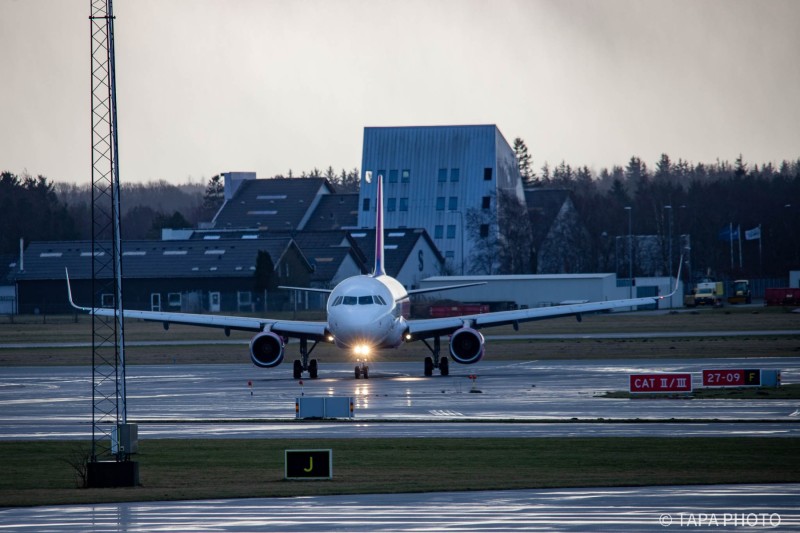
(362, 370)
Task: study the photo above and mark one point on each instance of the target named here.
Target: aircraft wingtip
(69, 288)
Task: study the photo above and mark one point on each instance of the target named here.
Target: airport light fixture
(669, 208)
(629, 209)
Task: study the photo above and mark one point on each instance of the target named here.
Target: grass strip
(39, 473)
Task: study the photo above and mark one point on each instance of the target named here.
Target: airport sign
(308, 464)
(732, 378)
(660, 383)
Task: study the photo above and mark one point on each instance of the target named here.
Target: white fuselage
(367, 312)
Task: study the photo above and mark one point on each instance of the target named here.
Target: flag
(753, 234)
(729, 233)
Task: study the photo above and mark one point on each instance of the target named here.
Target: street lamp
(629, 209)
(669, 207)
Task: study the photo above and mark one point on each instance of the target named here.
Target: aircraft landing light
(362, 350)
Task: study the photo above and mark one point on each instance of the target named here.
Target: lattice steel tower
(108, 339)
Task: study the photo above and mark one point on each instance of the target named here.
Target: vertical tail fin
(379, 266)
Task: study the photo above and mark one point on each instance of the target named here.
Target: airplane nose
(358, 327)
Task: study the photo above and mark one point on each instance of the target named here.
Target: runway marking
(445, 412)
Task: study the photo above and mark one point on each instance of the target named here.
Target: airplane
(367, 313)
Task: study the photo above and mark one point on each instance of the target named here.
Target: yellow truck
(705, 293)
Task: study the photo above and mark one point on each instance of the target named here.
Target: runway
(517, 398)
(721, 507)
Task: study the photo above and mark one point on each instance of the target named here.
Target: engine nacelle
(266, 349)
(466, 346)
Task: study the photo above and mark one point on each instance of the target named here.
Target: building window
(174, 299)
(382, 173)
(451, 231)
(484, 231)
(438, 232)
(442, 175)
(452, 204)
(365, 206)
(440, 203)
(449, 255)
(393, 176)
(107, 300)
(403, 204)
(455, 174)
(487, 174)
(487, 202)
(391, 204)
(405, 176)
(245, 301)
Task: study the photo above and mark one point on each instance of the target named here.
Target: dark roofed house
(278, 204)
(334, 256)
(334, 212)
(190, 276)
(410, 254)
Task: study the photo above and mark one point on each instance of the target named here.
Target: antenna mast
(109, 410)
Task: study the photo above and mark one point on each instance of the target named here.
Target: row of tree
(700, 202)
(672, 200)
(38, 209)
(31, 208)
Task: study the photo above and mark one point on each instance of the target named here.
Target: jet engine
(266, 349)
(466, 346)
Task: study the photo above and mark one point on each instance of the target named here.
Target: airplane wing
(306, 289)
(444, 288)
(423, 328)
(285, 328)
(429, 327)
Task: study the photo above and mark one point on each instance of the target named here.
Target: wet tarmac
(530, 398)
(718, 508)
(561, 397)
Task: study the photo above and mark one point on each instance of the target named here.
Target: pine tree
(524, 162)
(214, 195)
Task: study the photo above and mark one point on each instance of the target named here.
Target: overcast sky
(208, 85)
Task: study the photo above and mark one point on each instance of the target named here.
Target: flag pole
(730, 240)
(739, 234)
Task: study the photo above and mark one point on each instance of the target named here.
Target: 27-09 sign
(732, 378)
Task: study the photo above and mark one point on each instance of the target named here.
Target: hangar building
(530, 291)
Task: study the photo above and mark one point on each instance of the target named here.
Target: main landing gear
(306, 364)
(436, 361)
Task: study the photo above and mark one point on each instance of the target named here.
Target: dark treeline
(344, 181)
(38, 209)
(704, 201)
(31, 208)
(145, 207)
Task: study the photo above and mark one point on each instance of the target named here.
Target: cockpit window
(359, 300)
